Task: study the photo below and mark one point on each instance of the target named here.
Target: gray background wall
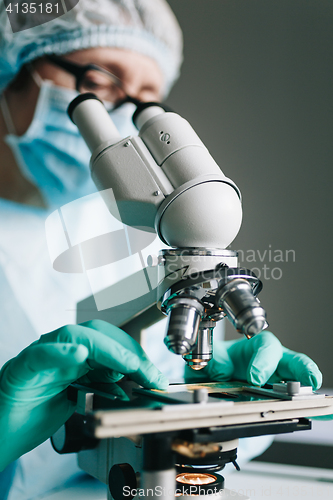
(257, 85)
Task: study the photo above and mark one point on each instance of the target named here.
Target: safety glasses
(92, 78)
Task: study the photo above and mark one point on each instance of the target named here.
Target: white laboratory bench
(277, 481)
(87, 489)
(258, 480)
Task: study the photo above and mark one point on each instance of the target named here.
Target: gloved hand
(33, 400)
(258, 360)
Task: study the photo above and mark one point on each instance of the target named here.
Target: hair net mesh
(145, 26)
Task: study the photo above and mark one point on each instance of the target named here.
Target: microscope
(164, 180)
(172, 443)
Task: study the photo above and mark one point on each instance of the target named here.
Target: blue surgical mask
(122, 118)
(51, 153)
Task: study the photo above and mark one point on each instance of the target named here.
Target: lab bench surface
(257, 480)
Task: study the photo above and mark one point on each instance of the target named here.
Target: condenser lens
(195, 478)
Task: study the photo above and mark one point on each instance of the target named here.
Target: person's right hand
(33, 396)
(257, 361)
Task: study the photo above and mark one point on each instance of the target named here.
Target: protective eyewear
(92, 78)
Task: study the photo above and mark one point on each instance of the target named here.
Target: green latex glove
(258, 360)
(33, 396)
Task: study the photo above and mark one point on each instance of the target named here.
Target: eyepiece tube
(93, 121)
(242, 308)
(184, 315)
(145, 111)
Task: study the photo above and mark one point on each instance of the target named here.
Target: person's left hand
(259, 360)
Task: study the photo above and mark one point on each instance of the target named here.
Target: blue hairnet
(145, 26)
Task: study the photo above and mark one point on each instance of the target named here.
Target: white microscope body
(164, 180)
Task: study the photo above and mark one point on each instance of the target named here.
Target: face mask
(122, 118)
(51, 153)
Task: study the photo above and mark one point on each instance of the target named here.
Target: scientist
(113, 48)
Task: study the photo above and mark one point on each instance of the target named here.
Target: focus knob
(70, 438)
(121, 476)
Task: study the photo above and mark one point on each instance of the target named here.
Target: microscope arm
(133, 316)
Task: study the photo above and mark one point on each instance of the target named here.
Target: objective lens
(202, 352)
(242, 307)
(195, 478)
(184, 315)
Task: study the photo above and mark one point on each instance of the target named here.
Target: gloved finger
(297, 366)
(256, 358)
(112, 348)
(114, 389)
(102, 376)
(105, 350)
(220, 367)
(38, 358)
(267, 352)
(146, 374)
(106, 387)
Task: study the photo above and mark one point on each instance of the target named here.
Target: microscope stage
(226, 405)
